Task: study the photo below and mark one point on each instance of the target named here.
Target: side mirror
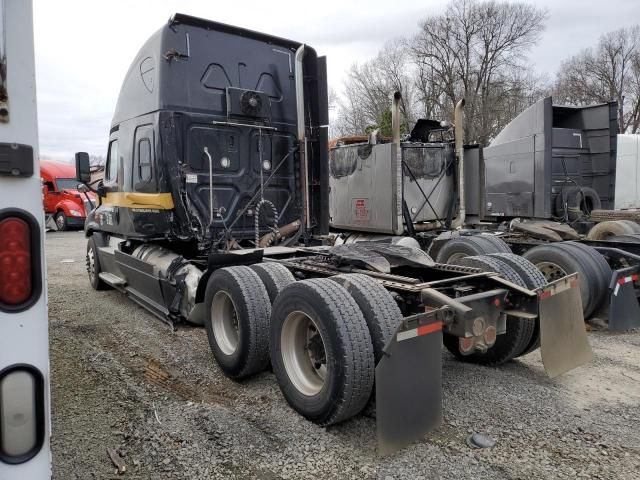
(83, 168)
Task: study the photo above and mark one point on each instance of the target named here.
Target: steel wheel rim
(224, 320)
(91, 264)
(303, 353)
(456, 257)
(59, 221)
(551, 271)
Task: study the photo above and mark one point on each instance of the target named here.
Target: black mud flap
(624, 309)
(563, 337)
(409, 383)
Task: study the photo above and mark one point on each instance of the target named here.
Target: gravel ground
(122, 379)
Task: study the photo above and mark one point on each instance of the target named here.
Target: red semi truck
(61, 197)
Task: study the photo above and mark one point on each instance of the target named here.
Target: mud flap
(409, 383)
(563, 337)
(624, 309)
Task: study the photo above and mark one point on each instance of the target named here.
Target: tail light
(22, 423)
(15, 261)
(19, 260)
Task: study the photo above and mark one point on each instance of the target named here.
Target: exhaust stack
(395, 117)
(459, 145)
(302, 138)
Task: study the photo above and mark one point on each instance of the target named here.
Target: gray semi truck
(543, 189)
(214, 210)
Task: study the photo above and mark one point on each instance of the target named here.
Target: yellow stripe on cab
(160, 201)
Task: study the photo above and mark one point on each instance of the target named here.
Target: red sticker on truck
(360, 210)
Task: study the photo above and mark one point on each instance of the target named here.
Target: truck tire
(237, 321)
(519, 330)
(496, 241)
(61, 221)
(533, 278)
(632, 238)
(601, 264)
(613, 228)
(580, 201)
(274, 276)
(321, 351)
(556, 260)
(93, 266)
(380, 310)
(468, 246)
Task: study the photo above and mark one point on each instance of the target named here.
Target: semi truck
(543, 189)
(24, 359)
(214, 210)
(62, 201)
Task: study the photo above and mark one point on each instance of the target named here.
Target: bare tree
(609, 71)
(367, 90)
(97, 161)
(476, 51)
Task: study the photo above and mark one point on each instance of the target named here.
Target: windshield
(67, 183)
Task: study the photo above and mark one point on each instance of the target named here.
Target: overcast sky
(84, 48)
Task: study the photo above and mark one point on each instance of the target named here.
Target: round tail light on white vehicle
(20, 282)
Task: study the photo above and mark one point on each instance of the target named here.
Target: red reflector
(466, 344)
(15, 261)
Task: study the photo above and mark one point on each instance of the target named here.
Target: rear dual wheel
(454, 250)
(556, 260)
(319, 340)
(519, 334)
(321, 351)
(532, 279)
(238, 321)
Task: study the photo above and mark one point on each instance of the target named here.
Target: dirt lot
(122, 379)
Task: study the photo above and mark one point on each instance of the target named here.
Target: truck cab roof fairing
(548, 148)
(173, 71)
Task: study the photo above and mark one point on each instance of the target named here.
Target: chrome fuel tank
(369, 184)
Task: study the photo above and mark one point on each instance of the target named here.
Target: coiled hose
(274, 214)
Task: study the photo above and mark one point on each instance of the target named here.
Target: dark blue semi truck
(214, 210)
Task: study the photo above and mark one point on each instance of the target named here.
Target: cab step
(112, 279)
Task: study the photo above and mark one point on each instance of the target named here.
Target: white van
(24, 357)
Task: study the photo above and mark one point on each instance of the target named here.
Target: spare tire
(468, 246)
(556, 260)
(321, 351)
(580, 201)
(612, 228)
(519, 330)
